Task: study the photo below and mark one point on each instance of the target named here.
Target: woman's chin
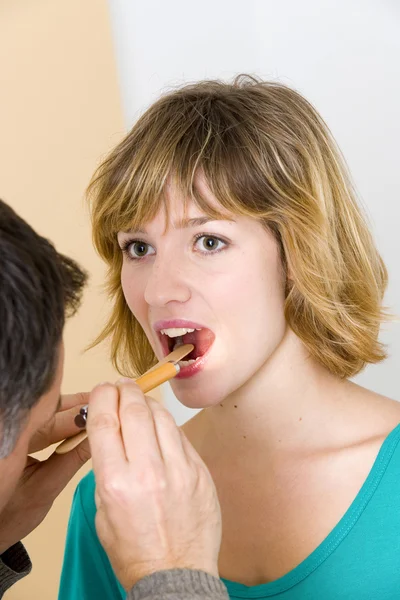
(194, 399)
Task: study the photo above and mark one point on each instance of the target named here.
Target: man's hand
(42, 481)
(62, 425)
(157, 503)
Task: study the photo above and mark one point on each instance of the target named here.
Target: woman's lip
(165, 347)
(174, 324)
(177, 324)
(194, 368)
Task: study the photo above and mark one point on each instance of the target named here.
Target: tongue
(201, 341)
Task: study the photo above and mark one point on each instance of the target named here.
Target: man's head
(38, 288)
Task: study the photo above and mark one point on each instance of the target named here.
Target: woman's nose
(166, 283)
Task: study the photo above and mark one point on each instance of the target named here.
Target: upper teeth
(176, 331)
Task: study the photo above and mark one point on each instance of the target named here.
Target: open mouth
(173, 337)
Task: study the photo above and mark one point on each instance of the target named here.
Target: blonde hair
(265, 153)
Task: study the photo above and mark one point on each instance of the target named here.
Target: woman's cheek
(132, 289)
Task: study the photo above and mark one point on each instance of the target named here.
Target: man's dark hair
(38, 288)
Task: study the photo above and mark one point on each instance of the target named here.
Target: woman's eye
(209, 244)
(138, 249)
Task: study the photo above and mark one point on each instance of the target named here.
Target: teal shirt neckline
(333, 539)
(358, 557)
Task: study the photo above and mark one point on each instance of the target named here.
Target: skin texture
(236, 291)
(274, 420)
(157, 507)
(34, 485)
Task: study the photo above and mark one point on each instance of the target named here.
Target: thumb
(55, 472)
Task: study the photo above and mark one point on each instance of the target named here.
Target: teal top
(358, 560)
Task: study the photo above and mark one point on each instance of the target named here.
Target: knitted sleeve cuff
(179, 584)
(14, 565)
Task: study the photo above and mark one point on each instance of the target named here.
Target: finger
(168, 435)
(64, 425)
(53, 474)
(103, 428)
(61, 426)
(74, 400)
(137, 426)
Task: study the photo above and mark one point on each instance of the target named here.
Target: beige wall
(59, 112)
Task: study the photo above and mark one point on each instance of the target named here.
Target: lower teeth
(185, 363)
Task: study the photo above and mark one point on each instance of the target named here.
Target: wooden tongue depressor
(165, 370)
(174, 356)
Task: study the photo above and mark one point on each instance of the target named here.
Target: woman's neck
(286, 403)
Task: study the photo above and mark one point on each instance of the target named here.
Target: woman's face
(221, 278)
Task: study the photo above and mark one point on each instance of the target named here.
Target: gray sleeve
(179, 584)
(14, 565)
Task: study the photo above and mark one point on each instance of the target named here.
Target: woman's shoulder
(377, 414)
(366, 429)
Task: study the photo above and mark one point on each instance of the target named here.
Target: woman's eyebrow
(197, 222)
(186, 223)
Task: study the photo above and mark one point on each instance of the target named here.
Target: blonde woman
(228, 220)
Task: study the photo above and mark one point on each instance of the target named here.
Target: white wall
(343, 55)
